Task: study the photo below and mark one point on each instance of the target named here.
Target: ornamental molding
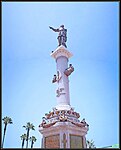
(57, 120)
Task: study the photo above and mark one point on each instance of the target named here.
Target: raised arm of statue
(56, 30)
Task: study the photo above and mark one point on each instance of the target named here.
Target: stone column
(61, 55)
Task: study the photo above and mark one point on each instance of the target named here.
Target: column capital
(61, 51)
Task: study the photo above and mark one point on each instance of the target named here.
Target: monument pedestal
(63, 130)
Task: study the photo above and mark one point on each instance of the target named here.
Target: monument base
(62, 129)
(64, 135)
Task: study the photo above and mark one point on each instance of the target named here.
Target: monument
(61, 127)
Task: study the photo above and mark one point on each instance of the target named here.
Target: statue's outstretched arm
(56, 30)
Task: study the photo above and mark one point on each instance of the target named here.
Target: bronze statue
(69, 70)
(62, 38)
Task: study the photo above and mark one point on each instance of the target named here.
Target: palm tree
(6, 121)
(23, 138)
(32, 139)
(90, 144)
(28, 127)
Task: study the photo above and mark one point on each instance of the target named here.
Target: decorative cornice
(63, 126)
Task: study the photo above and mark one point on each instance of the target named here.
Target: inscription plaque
(76, 141)
(52, 141)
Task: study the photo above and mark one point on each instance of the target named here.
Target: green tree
(28, 127)
(23, 138)
(33, 140)
(6, 121)
(90, 144)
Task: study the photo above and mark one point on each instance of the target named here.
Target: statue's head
(62, 26)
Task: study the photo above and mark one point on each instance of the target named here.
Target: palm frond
(7, 120)
(23, 136)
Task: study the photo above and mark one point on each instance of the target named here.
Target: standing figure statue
(62, 38)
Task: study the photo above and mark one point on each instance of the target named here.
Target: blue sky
(27, 67)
